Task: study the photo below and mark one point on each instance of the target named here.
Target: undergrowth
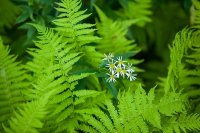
(84, 77)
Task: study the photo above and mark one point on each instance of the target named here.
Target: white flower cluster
(118, 68)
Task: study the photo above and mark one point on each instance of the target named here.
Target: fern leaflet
(12, 82)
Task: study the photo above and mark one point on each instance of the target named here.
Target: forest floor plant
(69, 86)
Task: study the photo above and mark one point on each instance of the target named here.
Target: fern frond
(53, 60)
(52, 51)
(12, 82)
(182, 123)
(132, 114)
(86, 93)
(172, 103)
(183, 74)
(139, 9)
(136, 112)
(114, 115)
(92, 56)
(77, 77)
(176, 74)
(70, 114)
(195, 17)
(44, 53)
(68, 23)
(113, 35)
(144, 104)
(101, 119)
(29, 118)
(93, 83)
(87, 129)
(95, 123)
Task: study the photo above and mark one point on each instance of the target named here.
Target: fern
(113, 35)
(182, 123)
(140, 112)
(56, 91)
(52, 65)
(132, 115)
(138, 9)
(195, 17)
(28, 118)
(172, 103)
(180, 75)
(183, 74)
(68, 23)
(12, 82)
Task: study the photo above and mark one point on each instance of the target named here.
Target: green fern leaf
(92, 57)
(176, 74)
(77, 77)
(144, 104)
(52, 61)
(183, 122)
(12, 83)
(137, 10)
(68, 23)
(113, 114)
(28, 118)
(87, 129)
(113, 35)
(172, 103)
(130, 115)
(195, 15)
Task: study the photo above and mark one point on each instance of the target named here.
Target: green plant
(63, 86)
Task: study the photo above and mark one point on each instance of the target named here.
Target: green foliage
(62, 84)
(183, 70)
(195, 17)
(182, 123)
(172, 103)
(178, 50)
(138, 9)
(12, 82)
(114, 38)
(29, 117)
(135, 111)
(155, 38)
(69, 18)
(78, 34)
(113, 35)
(131, 108)
(54, 59)
(9, 16)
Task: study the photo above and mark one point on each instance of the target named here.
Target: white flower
(118, 68)
(120, 62)
(111, 65)
(120, 71)
(108, 57)
(131, 76)
(123, 72)
(111, 77)
(129, 68)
